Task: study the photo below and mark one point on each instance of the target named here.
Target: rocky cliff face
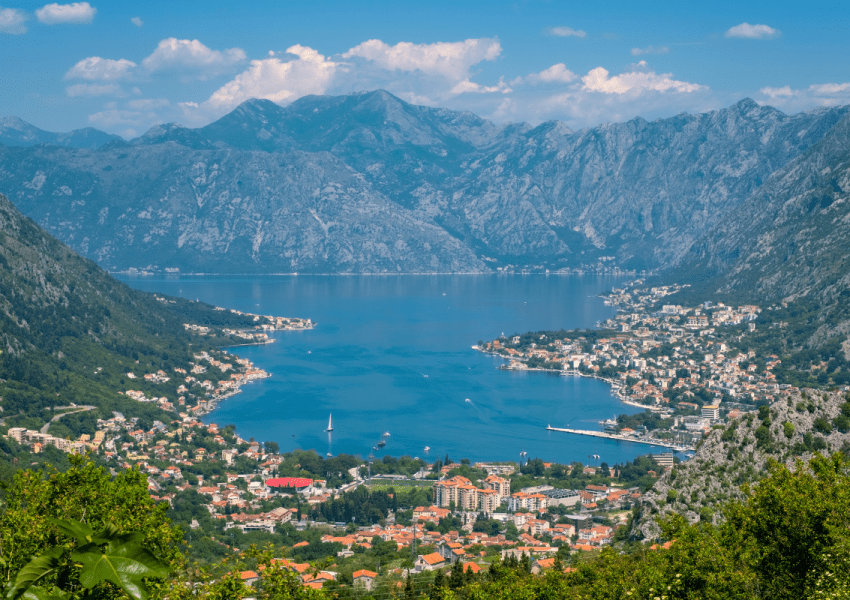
(789, 240)
(807, 421)
(225, 211)
(791, 235)
(369, 183)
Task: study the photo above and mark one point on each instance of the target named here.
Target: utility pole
(413, 545)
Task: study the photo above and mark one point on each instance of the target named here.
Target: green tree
(795, 528)
(85, 493)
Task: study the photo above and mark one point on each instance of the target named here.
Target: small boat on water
(386, 434)
(381, 444)
(330, 423)
(427, 448)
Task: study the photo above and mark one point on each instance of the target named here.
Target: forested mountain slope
(69, 332)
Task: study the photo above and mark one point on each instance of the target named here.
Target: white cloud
(470, 87)
(558, 73)
(85, 89)
(753, 32)
(276, 80)
(442, 74)
(105, 69)
(822, 94)
(451, 60)
(56, 14)
(173, 53)
(137, 21)
(566, 32)
(650, 50)
(637, 80)
(12, 21)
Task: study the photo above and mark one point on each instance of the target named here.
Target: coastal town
(348, 521)
(684, 364)
(431, 516)
(434, 518)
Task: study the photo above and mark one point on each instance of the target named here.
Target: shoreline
(213, 403)
(616, 387)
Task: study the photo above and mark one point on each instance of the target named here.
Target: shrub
(822, 425)
(841, 423)
(788, 427)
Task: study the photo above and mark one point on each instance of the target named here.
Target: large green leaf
(37, 593)
(124, 564)
(74, 529)
(38, 567)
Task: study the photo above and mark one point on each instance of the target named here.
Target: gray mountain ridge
(369, 183)
(790, 240)
(16, 132)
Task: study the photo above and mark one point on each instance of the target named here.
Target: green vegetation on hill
(69, 332)
(786, 539)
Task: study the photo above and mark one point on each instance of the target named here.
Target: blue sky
(123, 67)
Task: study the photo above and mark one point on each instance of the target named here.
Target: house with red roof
(364, 578)
(429, 562)
(249, 577)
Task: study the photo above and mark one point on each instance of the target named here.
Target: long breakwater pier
(622, 438)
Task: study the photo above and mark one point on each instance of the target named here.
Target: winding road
(77, 409)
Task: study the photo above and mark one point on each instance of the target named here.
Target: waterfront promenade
(622, 438)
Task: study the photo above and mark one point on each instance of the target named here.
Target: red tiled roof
(295, 482)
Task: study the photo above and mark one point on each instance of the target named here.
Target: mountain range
(369, 183)
(16, 132)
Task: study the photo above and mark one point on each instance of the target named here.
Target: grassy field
(382, 484)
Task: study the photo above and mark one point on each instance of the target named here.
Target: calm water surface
(393, 354)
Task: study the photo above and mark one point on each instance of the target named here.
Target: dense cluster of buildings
(199, 396)
(37, 441)
(696, 380)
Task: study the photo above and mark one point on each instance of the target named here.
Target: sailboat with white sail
(330, 423)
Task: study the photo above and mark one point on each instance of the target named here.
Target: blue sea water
(393, 354)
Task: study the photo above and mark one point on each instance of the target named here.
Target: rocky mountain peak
(12, 122)
(265, 179)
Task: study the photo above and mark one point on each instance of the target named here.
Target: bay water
(394, 354)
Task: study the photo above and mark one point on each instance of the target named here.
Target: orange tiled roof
(433, 558)
(364, 573)
(471, 566)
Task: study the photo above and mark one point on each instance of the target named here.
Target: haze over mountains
(369, 183)
(15, 132)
